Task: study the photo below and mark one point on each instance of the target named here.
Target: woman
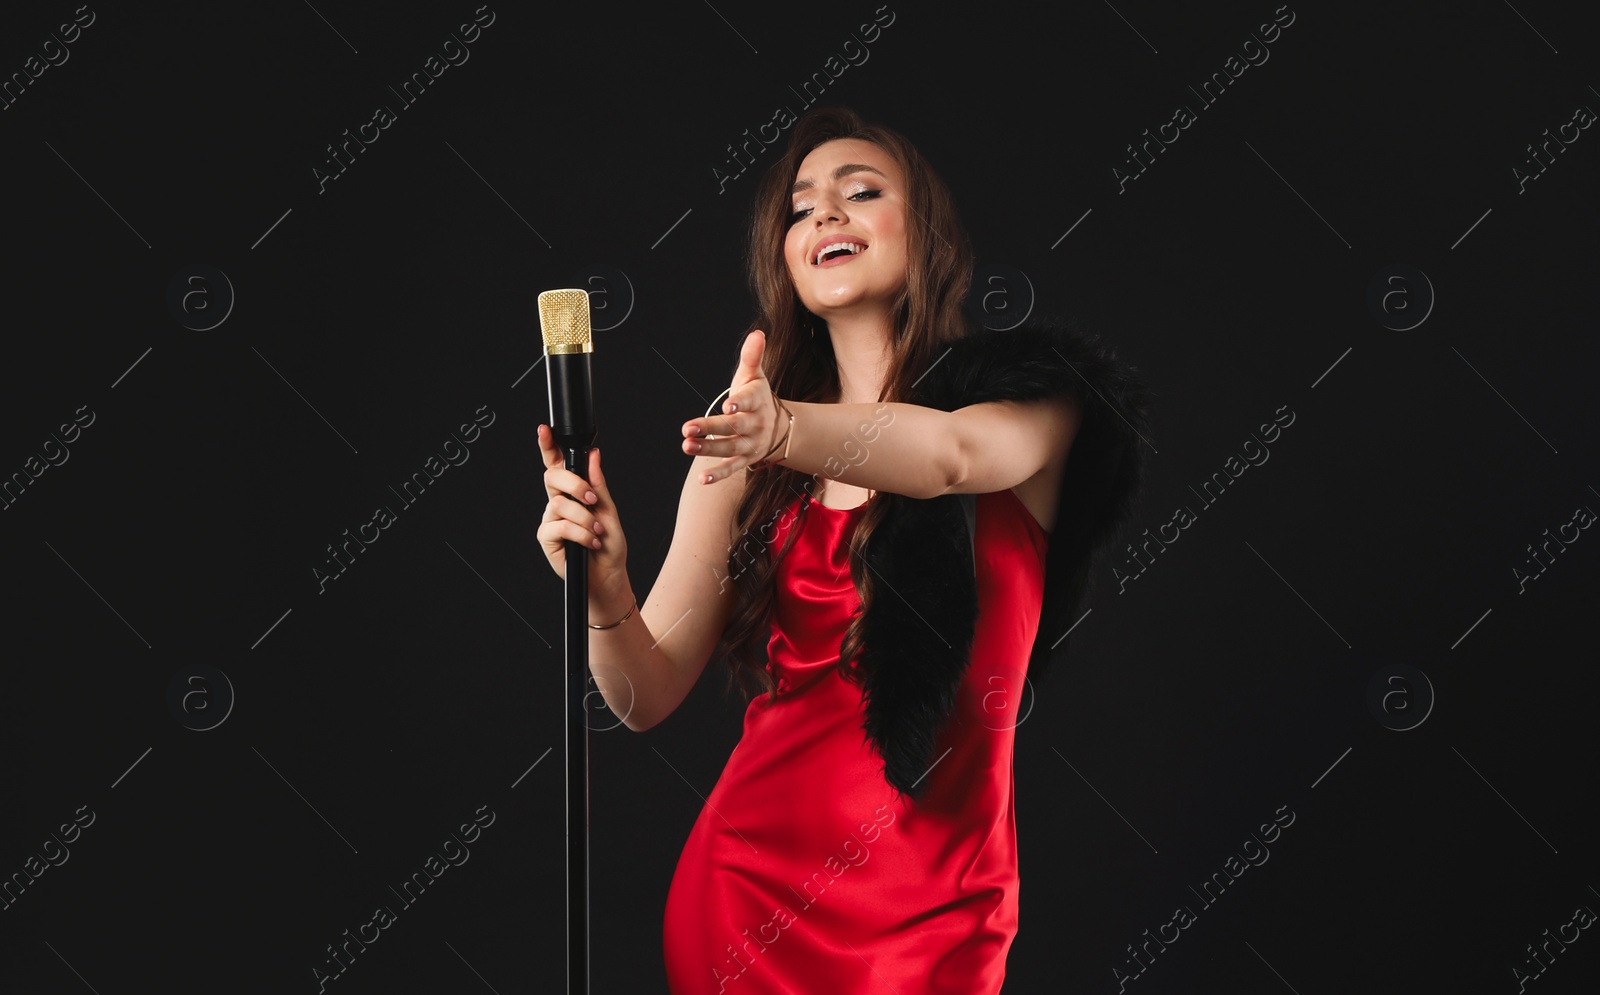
(873, 531)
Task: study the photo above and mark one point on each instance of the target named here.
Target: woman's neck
(862, 351)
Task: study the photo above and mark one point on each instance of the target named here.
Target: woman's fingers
(720, 426)
(576, 511)
(558, 479)
(750, 357)
(548, 448)
(747, 419)
(578, 487)
(597, 483)
(585, 511)
(559, 529)
(564, 482)
(721, 446)
(579, 511)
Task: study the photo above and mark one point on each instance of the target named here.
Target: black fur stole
(919, 633)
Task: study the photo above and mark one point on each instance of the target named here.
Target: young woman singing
(883, 535)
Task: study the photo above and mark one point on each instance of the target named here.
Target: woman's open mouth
(840, 252)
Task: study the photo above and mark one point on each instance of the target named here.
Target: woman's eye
(869, 194)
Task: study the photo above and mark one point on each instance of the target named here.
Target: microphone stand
(577, 747)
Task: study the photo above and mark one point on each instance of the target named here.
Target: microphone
(564, 322)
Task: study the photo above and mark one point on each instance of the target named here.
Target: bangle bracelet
(618, 621)
(767, 460)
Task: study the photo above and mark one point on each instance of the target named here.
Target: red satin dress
(804, 873)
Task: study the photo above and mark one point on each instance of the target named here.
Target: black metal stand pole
(577, 748)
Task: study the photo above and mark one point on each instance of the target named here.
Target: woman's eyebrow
(839, 173)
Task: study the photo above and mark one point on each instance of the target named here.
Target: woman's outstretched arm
(923, 452)
(893, 446)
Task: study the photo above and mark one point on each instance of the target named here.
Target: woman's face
(848, 190)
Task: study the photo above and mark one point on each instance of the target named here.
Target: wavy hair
(800, 365)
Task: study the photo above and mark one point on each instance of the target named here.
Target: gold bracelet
(766, 460)
(618, 621)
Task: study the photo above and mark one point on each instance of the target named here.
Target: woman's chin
(847, 301)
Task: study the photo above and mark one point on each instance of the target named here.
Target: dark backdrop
(161, 180)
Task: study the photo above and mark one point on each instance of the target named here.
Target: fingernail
(694, 430)
(732, 407)
(589, 496)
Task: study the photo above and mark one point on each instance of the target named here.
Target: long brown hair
(800, 365)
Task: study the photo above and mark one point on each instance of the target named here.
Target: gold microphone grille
(564, 321)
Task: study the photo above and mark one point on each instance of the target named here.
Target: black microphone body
(571, 402)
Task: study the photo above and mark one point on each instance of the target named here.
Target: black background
(372, 720)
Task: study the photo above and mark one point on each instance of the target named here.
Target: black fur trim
(918, 637)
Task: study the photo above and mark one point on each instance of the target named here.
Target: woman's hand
(591, 521)
(749, 427)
